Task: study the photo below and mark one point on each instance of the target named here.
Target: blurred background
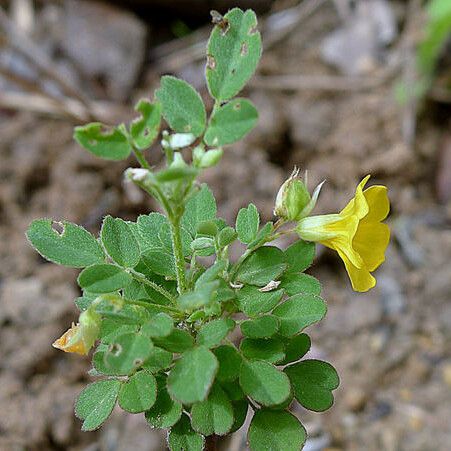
(344, 88)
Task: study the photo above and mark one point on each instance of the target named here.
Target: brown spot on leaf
(211, 62)
(244, 49)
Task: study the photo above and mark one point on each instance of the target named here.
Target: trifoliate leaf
(313, 382)
(270, 350)
(182, 106)
(201, 207)
(138, 393)
(265, 264)
(295, 348)
(253, 302)
(214, 415)
(261, 327)
(106, 143)
(229, 362)
(233, 52)
(299, 256)
(74, 246)
(119, 241)
(247, 223)
(231, 122)
(103, 278)
(95, 403)
(128, 352)
(276, 430)
(300, 283)
(299, 312)
(144, 129)
(264, 383)
(165, 412)
(182, 437)
(212, 333)
(192, 375)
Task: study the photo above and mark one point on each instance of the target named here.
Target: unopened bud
(292, 198)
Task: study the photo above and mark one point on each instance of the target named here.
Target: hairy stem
(153, 285)
(178, 254)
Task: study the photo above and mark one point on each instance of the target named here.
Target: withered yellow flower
(80, 338)
(356, 233)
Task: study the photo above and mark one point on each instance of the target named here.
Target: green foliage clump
(160, 316)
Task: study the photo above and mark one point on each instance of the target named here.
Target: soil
(391, 345)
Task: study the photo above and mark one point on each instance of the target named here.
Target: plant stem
(153, 285)
(141, 159)
(151, 304)
(178, 254)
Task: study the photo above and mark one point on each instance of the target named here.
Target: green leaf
(106, 143)
(299, 256)
(128, 352)
(182, 437)
(149, 227)
(176, 173)
(103, 278)
(253, 302)
(270, 350)
(159, 326)
(231, 122)
(182, 106)
(74, 247)
(177, 341)
(110, 329)
(299, 312)
(261, 327)
(159, 359)
(201, 207)
(192, 375)
(211, 273)
(138, 393)
(233, 390)
(95, 403)
(226, 236)
(313, 382)
(144, 129)
(200, 297)
(247, 223)
(276, 431)
(229, 362)
(166, 411)
(234, 50)
(98, 361)
(300, 283)
(211, 334)
(119, 242)
(296, 347)
(264, 383)
(265, 264)
(240, 409)
(160, 261)
(262, 235)
(214, 415)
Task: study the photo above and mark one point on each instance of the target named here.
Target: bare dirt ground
(391, 346)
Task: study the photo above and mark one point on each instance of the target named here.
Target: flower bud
(292, 198)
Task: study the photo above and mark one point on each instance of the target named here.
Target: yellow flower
(356, 233)
(80, 338)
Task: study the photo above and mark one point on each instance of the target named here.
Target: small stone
(446, 373)
(355, 399)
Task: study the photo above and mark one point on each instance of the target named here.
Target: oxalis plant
(162, 301)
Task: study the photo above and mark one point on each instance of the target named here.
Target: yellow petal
(371, 241)
(357, 205)
(71, 341)
(378, 203)
(361, 279)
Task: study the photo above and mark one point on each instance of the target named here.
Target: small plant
(161, 296)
